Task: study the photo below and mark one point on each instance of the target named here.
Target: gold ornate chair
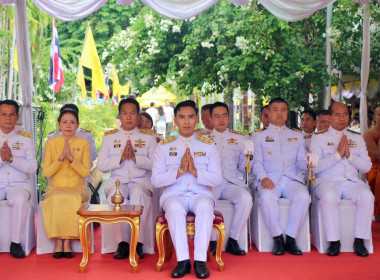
(165, 251)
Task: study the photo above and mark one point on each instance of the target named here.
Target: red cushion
(190, 218)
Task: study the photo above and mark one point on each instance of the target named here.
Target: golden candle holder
(117, 198)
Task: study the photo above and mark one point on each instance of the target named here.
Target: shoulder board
(204, 132)
(353, 131)
(18, 123)
(295, 129)
(236, 132)
(85, 130)
(147, 131)
(260, 129)
(198, 130)
(54, 131)
(111, 132)
(167, 140)
(320, 131)
(204, 140)
(26, 134)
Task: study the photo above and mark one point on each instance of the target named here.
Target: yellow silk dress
(67, 189)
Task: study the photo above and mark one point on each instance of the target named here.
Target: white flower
(149, 20)
(176, 29)
(242, 43)
(207, 45)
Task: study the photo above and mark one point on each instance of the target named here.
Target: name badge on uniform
(352, 144)
(173, 149)
(173, 154)
(199, 154)
(269, 139)
(117, 146)
(330, 144)
(292, 139)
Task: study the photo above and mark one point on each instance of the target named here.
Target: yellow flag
(118, 90)
(90, 59)
(15, 61)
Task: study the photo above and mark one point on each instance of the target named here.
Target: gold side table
(105, 214)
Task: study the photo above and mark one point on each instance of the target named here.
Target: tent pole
(327, 97)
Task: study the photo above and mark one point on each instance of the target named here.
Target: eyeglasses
(218, 117)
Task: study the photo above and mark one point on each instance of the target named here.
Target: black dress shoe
(213, 247)
(201, 270)
(122, 251)
(140, 250)
(233, 248)
(68, 255)
(334, 248)
(182, 268)
(278, 246)
(57, 255)
(291, 246)
(17, 251)
(359, 248)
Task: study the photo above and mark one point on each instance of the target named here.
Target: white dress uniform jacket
(337, 178)
(279, 155)
(15, 186)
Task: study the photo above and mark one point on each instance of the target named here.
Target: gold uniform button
(283, 163)
(283, 153)
(9, 183)
(9, 173)
(188, 184)
(129, 171)
(283, 173)
(280, 132)
(344, 166)
(282, 142)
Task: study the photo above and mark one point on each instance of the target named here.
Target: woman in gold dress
(66, 164)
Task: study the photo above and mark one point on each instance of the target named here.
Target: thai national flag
(56, 70)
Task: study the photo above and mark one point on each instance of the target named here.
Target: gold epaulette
(54, 131)
(353, 131)
(18, 123)
(26, 134)
(198, 130)
(167, 140)
(204, 132)
(295, 129)
(236, 132)
(147, 131)
(320, 131)
(205, 140)
(260, 129)
(85, 130)
(111, 131)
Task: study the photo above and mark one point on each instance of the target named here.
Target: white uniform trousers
(176, 209)
(298, 195)
(18, 200)
(134, 194)
(330, 195)
(242, 201)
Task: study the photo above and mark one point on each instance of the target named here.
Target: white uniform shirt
(331, 165)
(229, 145)
(111, 150)
(167, 160)
(279, 151)
(153, 112)
(24, 160)
(169, 114)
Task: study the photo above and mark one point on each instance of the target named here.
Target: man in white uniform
(342, 154)
(206, 117)
(17, 161)
(323, 120)
(187, 167)
(308, 124)
(169, 114)
(82, 133)
(230, 145)
(128, 153)
(279, 153)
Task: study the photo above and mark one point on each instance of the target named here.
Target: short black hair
(263, 108)
(219, 104)
(310, 112)
(206, 107)
(151, 104)
(11, 103)
(70, 106)
(186, 103)
(277, 100)
(129, 100)
(145, 114)
(331, 107)
(64, 112)
(323, 113)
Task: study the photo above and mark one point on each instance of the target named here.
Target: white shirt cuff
(337, 156)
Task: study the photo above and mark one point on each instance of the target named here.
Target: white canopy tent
(68, 10)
